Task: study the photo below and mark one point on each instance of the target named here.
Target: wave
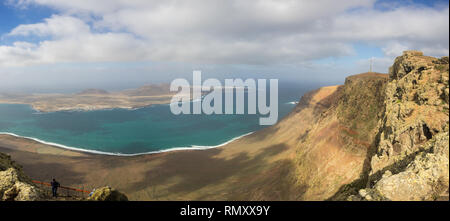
(192, 147)
(292, 102)
(35, 111)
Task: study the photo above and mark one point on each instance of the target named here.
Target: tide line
(193, 147)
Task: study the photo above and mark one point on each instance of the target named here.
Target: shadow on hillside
(44, 168)
(263, 133)
(253, 177)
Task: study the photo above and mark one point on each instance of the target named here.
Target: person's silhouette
(55, 186)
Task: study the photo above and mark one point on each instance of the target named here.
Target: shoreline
(77, 149)
(172, 149)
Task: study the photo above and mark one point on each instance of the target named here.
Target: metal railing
(63, 191)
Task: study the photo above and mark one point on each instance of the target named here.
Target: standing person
(55, 186)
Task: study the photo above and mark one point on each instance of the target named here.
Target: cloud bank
(236, 32)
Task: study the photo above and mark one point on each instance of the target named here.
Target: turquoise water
(142, 130)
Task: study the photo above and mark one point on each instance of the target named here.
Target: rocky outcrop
(411, 156)
(14, 184)
(107, 194)
(416, 107)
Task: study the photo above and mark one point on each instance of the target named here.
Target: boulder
(107, 194)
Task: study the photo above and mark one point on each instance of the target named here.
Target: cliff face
(408, 158)
(379, 137)
(411, 159)
(416, 107)
(14, 184)
(332, 152)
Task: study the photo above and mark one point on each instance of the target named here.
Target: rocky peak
(416, 101)
(411, 156)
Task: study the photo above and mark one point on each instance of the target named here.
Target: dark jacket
(54, 184)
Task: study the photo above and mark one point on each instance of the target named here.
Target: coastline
(82, 150)
(77, 149)
(98, 152)
(224, 171)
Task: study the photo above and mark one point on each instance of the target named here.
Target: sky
(62, 45)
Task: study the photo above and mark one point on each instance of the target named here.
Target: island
(94, 99)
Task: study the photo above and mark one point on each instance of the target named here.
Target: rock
(107, 194)
(415, 104)
(14, 184)
(353, 198)
(424, 178)
(387, 174)
(414, 137)
(411, 157)
(10, 194)
(412, 53)
(367, 194)
(362, 192)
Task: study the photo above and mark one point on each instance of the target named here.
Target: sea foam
(193, 147)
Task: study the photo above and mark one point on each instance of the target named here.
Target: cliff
(411, 156)
(332, 150)
(377, 137)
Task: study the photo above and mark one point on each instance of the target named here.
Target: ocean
(140, 131)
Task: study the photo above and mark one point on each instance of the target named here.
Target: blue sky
(77, 44)
(12, 16)
(381, 4)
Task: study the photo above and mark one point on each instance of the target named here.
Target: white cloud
(71, 40)
(424, 29)
(56, 26)
(222, 32)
